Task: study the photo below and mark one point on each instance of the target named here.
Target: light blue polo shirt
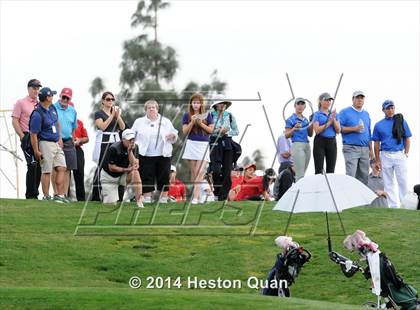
(383, 132)
(322, 118)
(67, 118)
(350, 117)
(298, 135)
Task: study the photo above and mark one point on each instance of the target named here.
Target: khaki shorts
(110, 186)
(53, 156)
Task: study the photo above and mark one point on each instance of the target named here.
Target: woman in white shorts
(197, 124)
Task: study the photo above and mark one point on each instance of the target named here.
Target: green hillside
(45, 262)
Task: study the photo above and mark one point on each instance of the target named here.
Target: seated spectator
(284, 180)
(236, 175)
(120, 167)
(47, 144)
(376, 183)
(177, 191)
(250, 187)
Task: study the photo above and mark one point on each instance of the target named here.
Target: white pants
(394, 162)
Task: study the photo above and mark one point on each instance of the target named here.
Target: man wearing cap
(67, 118)
(391, 136)
(46, 141)
(120, 167)
(20, 121)
(357, 146)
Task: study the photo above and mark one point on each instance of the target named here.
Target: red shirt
(237, 181)
(250, 188)
(177, 190)
(80, 131)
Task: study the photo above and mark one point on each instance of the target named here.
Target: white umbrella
(325, 193)
(312, 194)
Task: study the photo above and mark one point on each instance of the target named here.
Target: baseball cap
(67, 92)
(128, 134)
(250, 165)
(325, 96)
(358, 93)
(46, 92)
(34, 83)
(387, 103)
(300, 99)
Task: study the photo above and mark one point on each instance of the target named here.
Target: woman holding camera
(197, 125)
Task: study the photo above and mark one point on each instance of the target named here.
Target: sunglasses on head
(65, 98)
(109, 99)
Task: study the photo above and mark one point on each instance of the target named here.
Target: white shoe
(194, 201)
(128, 194)
(147, 199)
(210, 198)
(163, 200)
(140, 204)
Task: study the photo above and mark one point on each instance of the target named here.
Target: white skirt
(197, 150)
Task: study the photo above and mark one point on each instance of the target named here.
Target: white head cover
(285, 242)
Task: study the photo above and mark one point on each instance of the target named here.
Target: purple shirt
(197, 133)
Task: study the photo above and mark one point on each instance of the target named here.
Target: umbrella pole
(291, 212)
(328, 233)
(335, 204)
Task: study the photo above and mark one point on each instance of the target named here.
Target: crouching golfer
(120, 167)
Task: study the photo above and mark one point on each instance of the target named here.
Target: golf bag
(285, 271)
(396, 293)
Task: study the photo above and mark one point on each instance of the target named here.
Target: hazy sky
(252, 44)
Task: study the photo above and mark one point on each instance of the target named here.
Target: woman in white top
(155, 135)
(197, 124)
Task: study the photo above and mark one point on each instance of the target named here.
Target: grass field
(45, 265)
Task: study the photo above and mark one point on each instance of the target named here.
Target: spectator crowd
(135, 163)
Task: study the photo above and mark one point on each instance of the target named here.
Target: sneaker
(194, 201)
(47, 198)
(147, 199)
(163, 200)
(128, 194)
(60, 199)
(140, 204)
(210, 198)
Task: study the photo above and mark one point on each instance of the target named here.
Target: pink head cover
(358, 241)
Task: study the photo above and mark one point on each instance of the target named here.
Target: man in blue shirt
(357, 145)
(392, 144)
(67, 118)
(47, 144)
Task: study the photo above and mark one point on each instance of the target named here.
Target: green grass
(44, 265)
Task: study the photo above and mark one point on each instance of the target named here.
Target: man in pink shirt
(20, 120)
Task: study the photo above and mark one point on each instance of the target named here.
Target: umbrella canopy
(313, 195)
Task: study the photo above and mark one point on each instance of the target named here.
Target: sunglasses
(390, 107)
(109, 99)
(65, 98)
(301, 103)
